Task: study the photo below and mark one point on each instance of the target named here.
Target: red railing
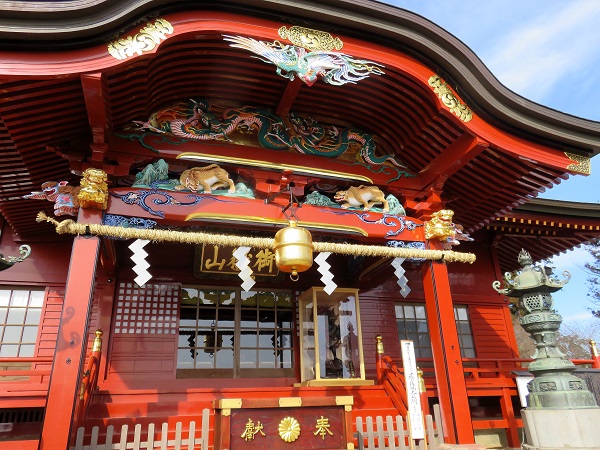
(392, 380)
(89, 381)
(13, 374)
(484, 377)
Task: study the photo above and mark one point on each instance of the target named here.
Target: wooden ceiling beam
(96, 112)
(455, 157)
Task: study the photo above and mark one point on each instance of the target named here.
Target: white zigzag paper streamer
(402, 280)
(139, 258)
(327, 276)
(243, 263)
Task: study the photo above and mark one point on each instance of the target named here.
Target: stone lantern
(554, 389)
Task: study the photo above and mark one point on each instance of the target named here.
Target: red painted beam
(288, 97)
(253, 213)
(451, 160)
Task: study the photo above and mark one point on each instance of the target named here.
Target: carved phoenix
(291, 61)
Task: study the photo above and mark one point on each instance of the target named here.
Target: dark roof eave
(560, 208)
(368, 19)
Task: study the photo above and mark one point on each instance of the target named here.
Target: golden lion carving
(367, 196)
(94, 190)
(205, 179)
(440, 226)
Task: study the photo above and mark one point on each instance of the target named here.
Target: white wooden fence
(391, 435)
(194, 439)
(378, 434)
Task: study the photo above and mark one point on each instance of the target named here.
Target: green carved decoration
(156, 176)
(195, 120)
(317, 199)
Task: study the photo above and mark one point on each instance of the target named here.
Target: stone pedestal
(553, 429)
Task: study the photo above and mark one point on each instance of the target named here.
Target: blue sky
(548, 52)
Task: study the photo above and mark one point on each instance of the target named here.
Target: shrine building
(226, 217)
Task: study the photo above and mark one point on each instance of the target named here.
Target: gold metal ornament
(146, 40)
(94, 190)
(440, 226)
(289, 429)
(272, 166)
(581, 164)
(293, 250)
(448, 98)
(311, 39)
(97, 345)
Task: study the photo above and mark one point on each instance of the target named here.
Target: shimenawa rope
(71, 227)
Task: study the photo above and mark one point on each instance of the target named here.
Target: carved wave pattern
(401, 223)
(410, 245)
(115, 220)
(146, 198)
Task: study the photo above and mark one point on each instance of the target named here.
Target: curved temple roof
(59, 107)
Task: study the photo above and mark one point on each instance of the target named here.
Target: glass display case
(330, 338)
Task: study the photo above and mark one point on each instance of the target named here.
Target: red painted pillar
(449, 374)
(595, 355)
(72, 337)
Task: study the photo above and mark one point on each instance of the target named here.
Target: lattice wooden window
(465, 335)
(230, 332)
(411, 321)
(151, 309)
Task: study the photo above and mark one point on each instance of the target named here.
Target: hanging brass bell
(293, 250)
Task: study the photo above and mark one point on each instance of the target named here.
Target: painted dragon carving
(195, 120)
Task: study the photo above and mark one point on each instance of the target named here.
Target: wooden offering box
(323, 423)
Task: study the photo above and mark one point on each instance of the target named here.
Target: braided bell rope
(71, 227)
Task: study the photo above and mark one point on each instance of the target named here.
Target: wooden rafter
(455, 157)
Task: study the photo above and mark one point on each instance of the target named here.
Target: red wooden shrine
(202, 128)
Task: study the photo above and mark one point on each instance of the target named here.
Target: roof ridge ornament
(449, 98)
(310, 39)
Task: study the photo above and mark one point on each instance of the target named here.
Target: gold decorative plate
(289, 429)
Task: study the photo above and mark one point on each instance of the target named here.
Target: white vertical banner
(413, 395)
